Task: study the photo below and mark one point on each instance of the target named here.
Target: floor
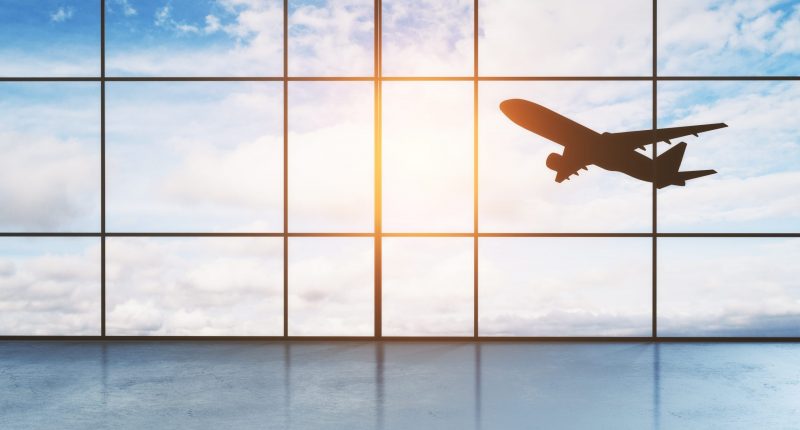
(398, 385)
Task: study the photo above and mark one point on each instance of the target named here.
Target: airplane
(610, 151)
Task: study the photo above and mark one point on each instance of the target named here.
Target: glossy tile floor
(398, 385)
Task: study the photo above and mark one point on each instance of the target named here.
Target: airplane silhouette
(611, 151)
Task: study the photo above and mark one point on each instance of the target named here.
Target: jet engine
(555, 162)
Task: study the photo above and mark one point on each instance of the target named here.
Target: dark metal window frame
(378, 234)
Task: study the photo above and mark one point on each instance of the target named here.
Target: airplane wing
(640, 138)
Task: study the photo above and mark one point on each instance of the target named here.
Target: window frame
(378, 233)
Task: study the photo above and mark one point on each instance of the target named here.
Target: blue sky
(729, 37)
(62, 37)
(50, 37)
(208, 157)
(171, 24)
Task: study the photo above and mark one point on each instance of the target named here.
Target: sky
(208, 157)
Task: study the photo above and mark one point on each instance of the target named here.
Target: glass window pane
(194, 157)
(518, 192)
(331, 157)
(194, 286)
(50, 157)
(49, 38)
(427, 286)
(427, 38)
(331, 37)
(565, 286)
(756, 157)
(728, 37)
(728, 287)
(427, 157)
(194, 38)
(50, 286)
(331, 286)
(572, 37)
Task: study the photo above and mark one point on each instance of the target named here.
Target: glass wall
(231, 168)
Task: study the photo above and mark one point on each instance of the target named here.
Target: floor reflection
(397, 385)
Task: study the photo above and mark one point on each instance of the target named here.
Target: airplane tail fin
(669, 164)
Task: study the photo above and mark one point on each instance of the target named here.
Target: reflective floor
(397, 385)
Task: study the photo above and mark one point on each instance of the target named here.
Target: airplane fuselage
(610, 151)
(631, 163)
(588, 146)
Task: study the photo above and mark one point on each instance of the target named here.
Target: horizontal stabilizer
(668, 167)
(694, 174)
(680, 178)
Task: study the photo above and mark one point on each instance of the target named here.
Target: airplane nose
(516, 110)
(507, 106)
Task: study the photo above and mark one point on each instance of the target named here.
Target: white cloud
(227, 167)
(427, 156)
(787, 37)
(427, 37)
(332, 38)
(126, 7)
(729, 37)
(565, 286)
(62, 14)
(59, 186)
(331, 157)
(557, 37)
(254, 46)
(212, 24)
(49, 174)
(72, 60)
(49, 286)
(331, 286)
(227, 178)
(195, 157)
(728, 286)
(427, 286)
(756, 157)
(205, 286)
(163, 18)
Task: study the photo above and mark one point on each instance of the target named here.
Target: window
(427, 157)
(729, 287)
(427, 286)
(50, 286)
(49, 171)
(194, 38)
(342, 168)
(331, 157)
(565, 286)
(194, 156)
(332, 281)
(49, 38)
(194, 286)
